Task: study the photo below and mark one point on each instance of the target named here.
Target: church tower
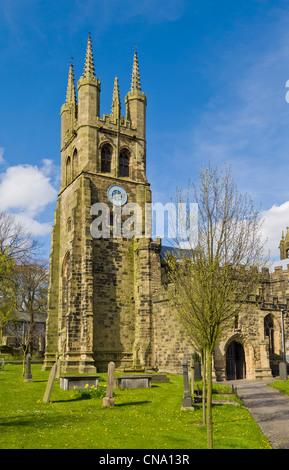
(284, 245)
(100, 306)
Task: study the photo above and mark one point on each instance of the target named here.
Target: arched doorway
(235, 361)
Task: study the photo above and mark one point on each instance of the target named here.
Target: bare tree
(31, 287)
(24, 336)
(15, 240)
(213, 278)
(16, 247)
(7, 292)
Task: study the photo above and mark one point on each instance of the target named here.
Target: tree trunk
(204, 374)
(23, 363)
(209, 401)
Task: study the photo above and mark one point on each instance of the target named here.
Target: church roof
(38, 317)
(167, 250)
(284, 263)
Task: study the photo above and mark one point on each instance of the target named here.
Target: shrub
(90, 392)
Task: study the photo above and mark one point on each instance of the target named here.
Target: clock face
(117, 195)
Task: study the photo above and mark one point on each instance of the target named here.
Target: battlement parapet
(109, 119)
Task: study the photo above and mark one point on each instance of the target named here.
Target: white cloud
(275, 221)
(25, 191)
(33, 226)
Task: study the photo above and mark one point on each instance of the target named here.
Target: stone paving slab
(269, 408)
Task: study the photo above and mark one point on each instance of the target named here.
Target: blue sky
(214, 73)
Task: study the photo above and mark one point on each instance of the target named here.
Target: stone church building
(108, 297)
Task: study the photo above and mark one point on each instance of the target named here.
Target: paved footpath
(268, 407)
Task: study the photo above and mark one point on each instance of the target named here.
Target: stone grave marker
(197, 371)
(283, 371)
(28, 375)
(108, 400)
(192, 377)
(50, 383)
(58, 366)
(187, 400)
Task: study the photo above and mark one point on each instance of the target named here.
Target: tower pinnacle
(135, 79)
(70, 94)
(116, 106)
(89, 65)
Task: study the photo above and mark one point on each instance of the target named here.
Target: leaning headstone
(187, 400)
(108, 400)
(28, 375)
(50, 383)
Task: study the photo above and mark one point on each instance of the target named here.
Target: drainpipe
(283, 336)
(283, 365)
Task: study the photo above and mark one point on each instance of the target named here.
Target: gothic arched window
(124, 162)
(68, 170)
(74, 164)
(106, 153)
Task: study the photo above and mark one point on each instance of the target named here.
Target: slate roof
(39, 317)
(284, 263)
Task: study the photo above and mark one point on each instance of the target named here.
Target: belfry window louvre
(124, 162)
(106, 153)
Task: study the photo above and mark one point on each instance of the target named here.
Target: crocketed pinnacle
(115, 107)
(89, 65)
(70, 94)
(135, 80)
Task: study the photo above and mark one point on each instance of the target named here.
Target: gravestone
(108, 400)
(28, 375)
(58, 366)
(283, 371)
(133, 381)
(78, 382)
(187, 400)
(50, 383)
(197, 371)
(192, 377)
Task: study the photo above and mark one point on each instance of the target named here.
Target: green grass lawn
(281, 385)
(141, 419)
